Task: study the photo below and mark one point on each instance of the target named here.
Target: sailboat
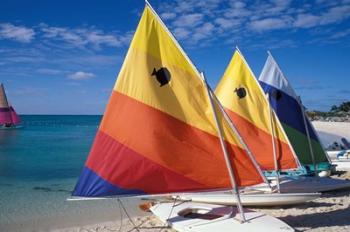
(247, 106)
(249, 112)
(300, 131)
(8, 116)
(163, 134)
(290, 111)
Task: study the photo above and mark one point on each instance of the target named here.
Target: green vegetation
(345, 107)
(341, 111)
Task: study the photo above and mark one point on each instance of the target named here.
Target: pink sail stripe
(14, 116)
(5, 116)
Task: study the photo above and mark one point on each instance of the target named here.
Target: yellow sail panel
(153, 38)
(156, 73)
(237, 80)
(241, 95)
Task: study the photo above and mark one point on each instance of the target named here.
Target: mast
(272, 128)
(226, 155)
(308, 136)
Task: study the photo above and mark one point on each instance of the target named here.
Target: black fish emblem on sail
(162, 75)
(241, 92)
(276, 94)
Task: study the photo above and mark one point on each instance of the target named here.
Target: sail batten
(158, 133)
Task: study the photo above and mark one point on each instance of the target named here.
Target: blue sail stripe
(91, 184)
(288, 110)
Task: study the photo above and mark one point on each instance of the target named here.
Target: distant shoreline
(329, 117)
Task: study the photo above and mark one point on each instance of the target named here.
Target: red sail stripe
(123, 167)
(181, 147)
(262, 147)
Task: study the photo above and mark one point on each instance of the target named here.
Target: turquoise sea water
(39, 166)
(46, 148)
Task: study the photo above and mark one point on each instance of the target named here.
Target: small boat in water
(8, 116)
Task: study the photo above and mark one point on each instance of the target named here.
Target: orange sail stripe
(262, 147)
(162, 139)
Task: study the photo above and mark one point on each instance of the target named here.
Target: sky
(62, 57)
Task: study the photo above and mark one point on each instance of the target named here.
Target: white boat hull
(342, 165)
(339, 155)
(195, 217)
(260, 199)
(340, 158)
(11, 127)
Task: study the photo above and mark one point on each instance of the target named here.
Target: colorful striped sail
(286, 104)
(158, 133)
(8, 115)
(245, 102)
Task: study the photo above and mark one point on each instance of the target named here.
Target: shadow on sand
(339, 217)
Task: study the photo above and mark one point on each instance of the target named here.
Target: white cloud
(181, 33)
(237, 4)
(63, 34)
(82, 37)
(80, 75)
(238, 20)
(189, 20)
(268, 24)
(202, 32)
(168, 15)
(184, 6)
(341, 34)
(97, 38)
(17, 33)
(306, 20)
(237, 12)
(48, 71)
(279, 6)
(333, 15)
(227, 23)
(336, 14)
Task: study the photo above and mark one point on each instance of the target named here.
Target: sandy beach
(330, 132)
